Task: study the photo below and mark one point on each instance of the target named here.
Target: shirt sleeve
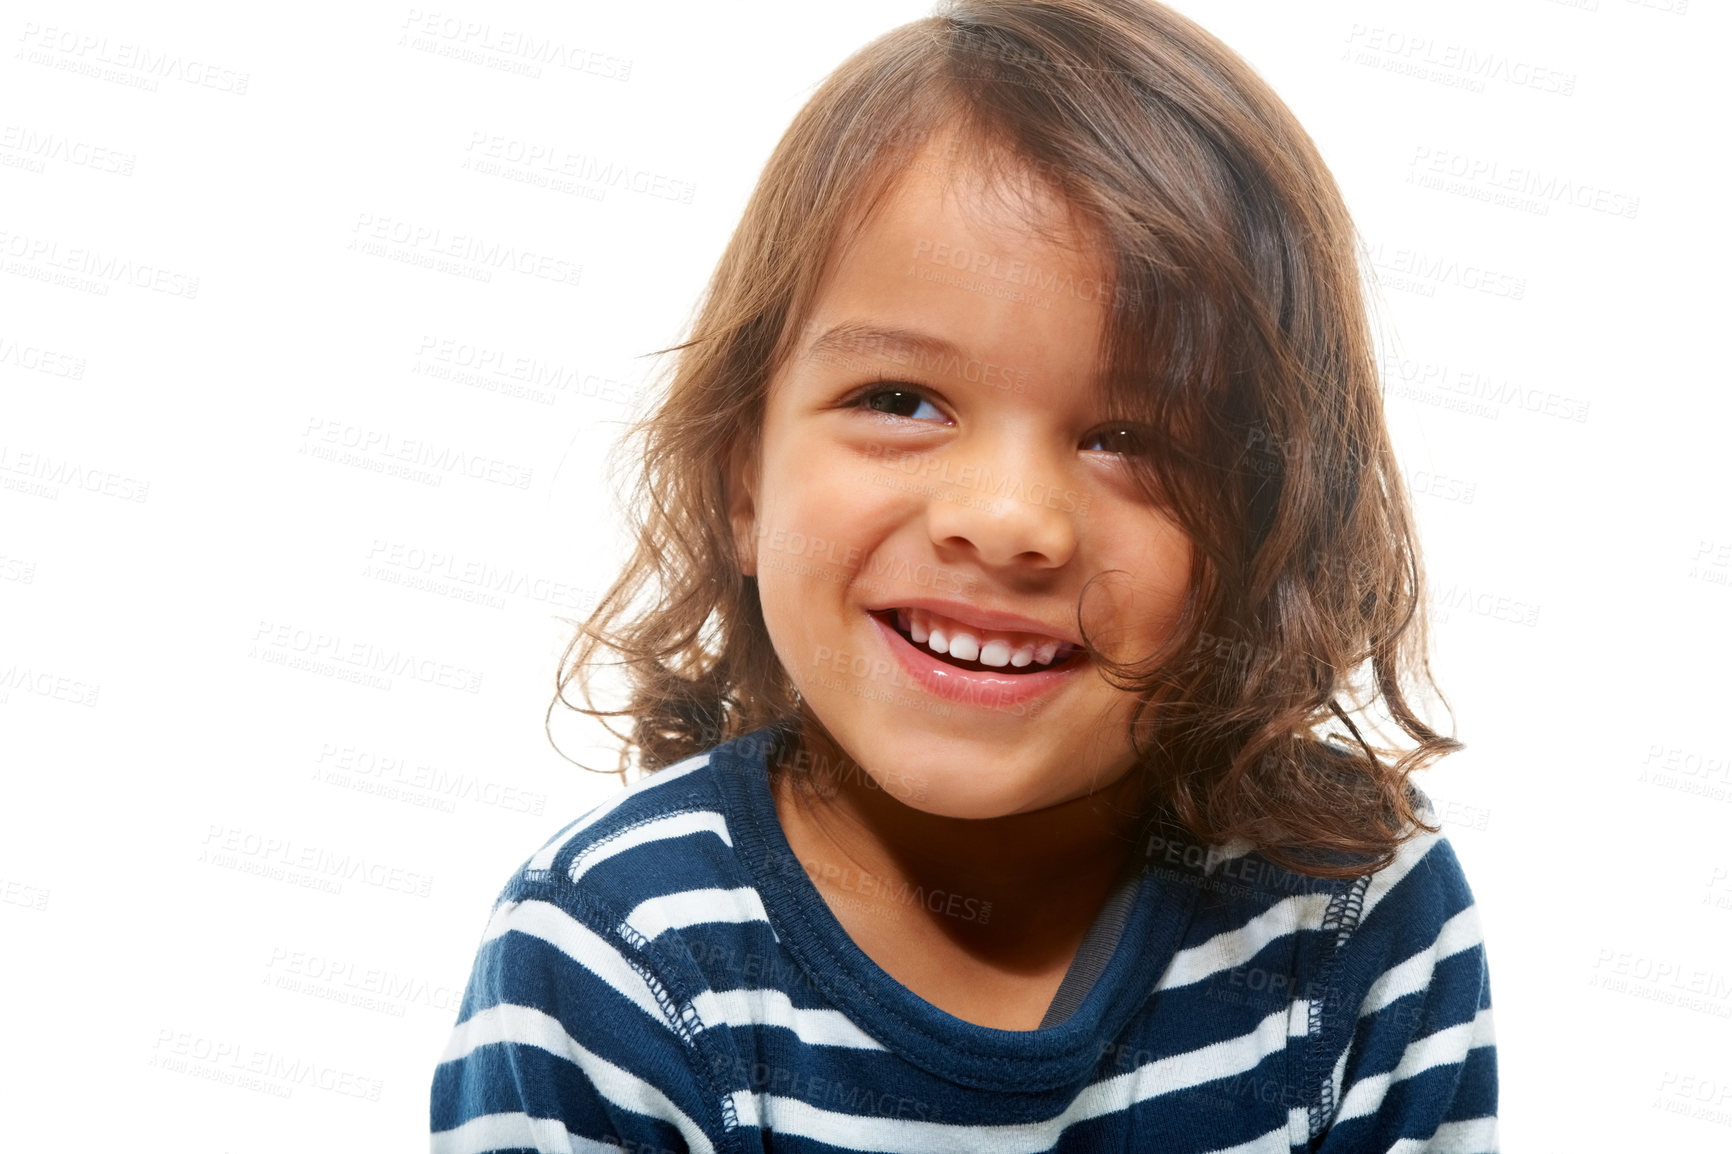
(567, 1040)
(1418, 1072)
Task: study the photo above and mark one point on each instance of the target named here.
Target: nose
(1004, 517)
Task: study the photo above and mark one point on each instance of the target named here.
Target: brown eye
(1120, 440)
(901, 403)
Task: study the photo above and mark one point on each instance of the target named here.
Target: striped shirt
(663, 975)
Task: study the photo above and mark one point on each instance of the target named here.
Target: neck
(1066, 855)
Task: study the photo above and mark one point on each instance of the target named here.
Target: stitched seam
(1342, 917)
(681, 1014)
(599, 844)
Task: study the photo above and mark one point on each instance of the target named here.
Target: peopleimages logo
(395, 776)
(469, 578)
(319, 975)
(42, 254)
(325, 438)
(50, 472)
(1457, 65)
(93, 55)
(233, 1062)
(44, 683)
(544, 164)
(35, 149)
(363, 656)
(515, 374)
(37, 359)
(412, 243)
(230, 847)
(1421, 272)
(1521, 180)
(508, 49)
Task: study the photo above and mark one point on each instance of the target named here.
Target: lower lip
(967, 687)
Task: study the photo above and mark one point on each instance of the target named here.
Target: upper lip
(981, 618)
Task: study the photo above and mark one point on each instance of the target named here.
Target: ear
(740, 488)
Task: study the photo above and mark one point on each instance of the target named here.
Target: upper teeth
(967, 643)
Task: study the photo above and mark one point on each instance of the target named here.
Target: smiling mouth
(1067, 656)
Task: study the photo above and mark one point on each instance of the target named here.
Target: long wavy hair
(1238, 333)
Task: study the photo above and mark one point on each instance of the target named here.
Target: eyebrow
(894, 343)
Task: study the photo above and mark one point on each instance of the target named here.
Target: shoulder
(589, 928)
(663, 836)
(639, 875)
(570, 975)
(1405, 1020)
(1341, 936)
(1421, 892)
(1420, 899)
(1419, 910)
(1414, 963)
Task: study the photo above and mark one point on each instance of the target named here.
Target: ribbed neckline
(940, 1043)
(1097, 947)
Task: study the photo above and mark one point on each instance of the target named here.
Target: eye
(901, 402)
(1122, 439)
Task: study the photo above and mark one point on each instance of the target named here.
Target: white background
(169, 539)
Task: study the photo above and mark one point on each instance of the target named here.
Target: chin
(946, 776)
(975, 788)
(965, 802)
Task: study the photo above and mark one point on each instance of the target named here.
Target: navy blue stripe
(937, 1069)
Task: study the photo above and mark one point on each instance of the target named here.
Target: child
(1019, 539)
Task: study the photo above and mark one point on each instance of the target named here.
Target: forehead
(958, 188)
(968, 251)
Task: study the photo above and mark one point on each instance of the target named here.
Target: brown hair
(1238, 336)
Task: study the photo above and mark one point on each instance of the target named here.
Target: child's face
(946, 451)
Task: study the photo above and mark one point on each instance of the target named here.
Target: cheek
(806, 562)
(1166, 562)
(1131, 608)
(786, 594)
(825, 514)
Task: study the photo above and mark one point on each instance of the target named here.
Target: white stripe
(1459, 933)
(1299, 1018)
(1442, 1048)
(818, 1027)
(1473, 1136)
(907, 1136)
(1231, 948)
(523, 1026)
(1215, 856)
(543, 859)
(745, 1105)
(579, 943)
(658, 829)
(1192, 1068)
(513, 1132)
(676, 911)
(773, 1008)
(1410, 854)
